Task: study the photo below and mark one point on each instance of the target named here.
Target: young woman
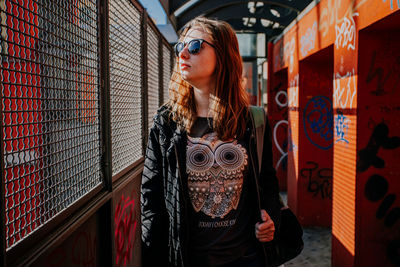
(202, 202)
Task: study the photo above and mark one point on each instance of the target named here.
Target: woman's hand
(265, 230)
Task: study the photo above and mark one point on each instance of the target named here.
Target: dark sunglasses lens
(194, 47)
(178, 48)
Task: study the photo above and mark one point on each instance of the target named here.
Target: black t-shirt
(221, 217)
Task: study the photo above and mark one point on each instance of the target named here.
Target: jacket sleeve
(154, 219)
(269, 188)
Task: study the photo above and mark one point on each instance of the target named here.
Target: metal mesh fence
(125, 78)
(50, 102)
(50, 96)
(153, 73)
(166, 71)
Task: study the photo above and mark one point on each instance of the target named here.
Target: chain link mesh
(126, 80)
(50, 88)
(153, 73)
(166, 71)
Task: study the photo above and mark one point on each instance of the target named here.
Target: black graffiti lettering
(325, 173)
(379, 138)
(392, 217)
(381, 78)
(324, 188)
(376, 188)
(393, 252)
(309, 170)
(385, 206)
(322, 182)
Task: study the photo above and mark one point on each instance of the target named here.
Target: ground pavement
(317, 247)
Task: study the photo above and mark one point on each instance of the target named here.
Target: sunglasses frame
(188, 43)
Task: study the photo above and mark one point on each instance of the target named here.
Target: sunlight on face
(198, 69)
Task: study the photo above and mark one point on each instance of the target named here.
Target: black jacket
(164, 203)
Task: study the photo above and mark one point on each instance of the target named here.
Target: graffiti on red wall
(377, 186)
(346, 33)
(307, 41)
(280, 125)
(379, 139)
(377, 73)
(342, 127)
(345, 90)
(319, 179)
(125, 228)
(318, 122)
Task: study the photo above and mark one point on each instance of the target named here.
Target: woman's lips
(184, 66)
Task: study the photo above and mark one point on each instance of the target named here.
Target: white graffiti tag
(278, 102)
(283, 153)
(294, 92)
(346, 33)
(344, 90)
(289, 52)
(307, 41)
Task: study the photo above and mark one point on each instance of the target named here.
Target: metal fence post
(144, 90)
(160, 71)
(106, 226)
(104, 32)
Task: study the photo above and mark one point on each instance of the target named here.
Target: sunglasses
(194, 46)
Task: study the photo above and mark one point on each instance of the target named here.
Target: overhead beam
(238, 25)
(241, 10)
(175, 5)
(212, 6)
(208, 6)
(165, 6)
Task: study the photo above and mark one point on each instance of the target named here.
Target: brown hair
(230, 100)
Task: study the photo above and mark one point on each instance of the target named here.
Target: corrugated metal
(344, 187)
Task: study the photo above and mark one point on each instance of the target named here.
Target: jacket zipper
(184, 203)
(256, 177)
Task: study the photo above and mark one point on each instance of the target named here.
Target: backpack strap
(258, 117)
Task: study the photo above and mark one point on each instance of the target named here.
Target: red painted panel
(338, 24)
(378, 151)
(340, 255)
(82, 248)
(126, 224)
(278, 118)
(316, 139)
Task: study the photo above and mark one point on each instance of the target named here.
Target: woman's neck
(202, 100)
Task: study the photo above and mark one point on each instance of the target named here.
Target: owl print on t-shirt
(215, 174)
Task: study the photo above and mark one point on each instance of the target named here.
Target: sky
(155, 11)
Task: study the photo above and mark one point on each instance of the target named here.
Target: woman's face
(198, 69)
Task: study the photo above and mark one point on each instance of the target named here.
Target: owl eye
(199, 158)
(230, 156)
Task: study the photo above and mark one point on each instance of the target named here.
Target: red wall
(365, 104)
(378, 150)
(278, 118)
(126, 224)
(82, 248)
(315, 139)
